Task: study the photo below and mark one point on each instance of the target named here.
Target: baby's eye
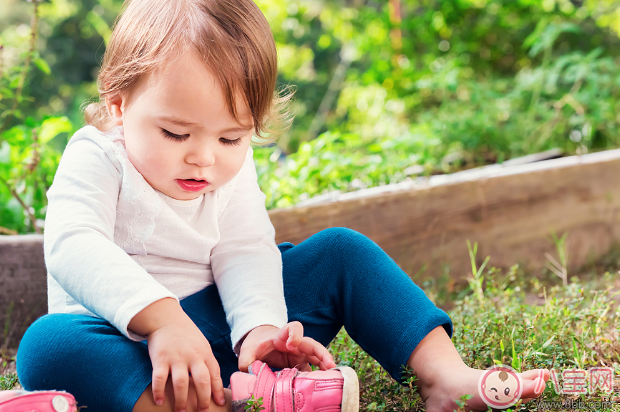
(234, 142)
(178, 137)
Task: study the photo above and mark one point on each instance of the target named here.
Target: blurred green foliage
(437, 86)
(386, 90)
(27, 160)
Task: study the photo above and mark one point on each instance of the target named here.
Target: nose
(202, 155)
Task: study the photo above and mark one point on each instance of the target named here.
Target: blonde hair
(232, 36)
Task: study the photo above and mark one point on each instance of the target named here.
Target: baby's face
(211, 146)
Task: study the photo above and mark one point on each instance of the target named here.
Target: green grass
(8, 378)
(516, 319)
(521, 319)
(9, 381)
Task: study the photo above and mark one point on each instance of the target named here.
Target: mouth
(192, 185)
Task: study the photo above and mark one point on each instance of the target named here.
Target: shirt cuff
(237, 348)
(127, 312)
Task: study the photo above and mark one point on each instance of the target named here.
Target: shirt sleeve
(246, 262)
(79, 249)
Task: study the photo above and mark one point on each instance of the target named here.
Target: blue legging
(336, 277)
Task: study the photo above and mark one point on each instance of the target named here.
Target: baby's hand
(177, 347)
(180, 348)
(283, 348)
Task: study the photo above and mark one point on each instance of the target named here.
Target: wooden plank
(410, 183)
(509, 211)
(535, 157)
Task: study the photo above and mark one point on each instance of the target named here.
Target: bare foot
(441, 395)
(444, 377)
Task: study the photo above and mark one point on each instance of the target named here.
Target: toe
(533, 388)
(543, 374)
(534, 381)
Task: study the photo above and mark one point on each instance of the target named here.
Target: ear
(115, 105)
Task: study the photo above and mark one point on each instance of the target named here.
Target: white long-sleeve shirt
(113, 245)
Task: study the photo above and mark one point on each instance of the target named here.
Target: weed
(8, 381)
(559, 268)
(254, 405)
(461, 403)
(476, 280)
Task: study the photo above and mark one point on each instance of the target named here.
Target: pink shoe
(40, 401)
(333, 390)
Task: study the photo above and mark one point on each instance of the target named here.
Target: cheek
(156, 161)
(149, 154)
(232, 161)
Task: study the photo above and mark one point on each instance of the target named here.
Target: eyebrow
(184, 123)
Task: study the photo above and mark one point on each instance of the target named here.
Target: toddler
(163, 273)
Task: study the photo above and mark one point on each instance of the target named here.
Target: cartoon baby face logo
(500, 387)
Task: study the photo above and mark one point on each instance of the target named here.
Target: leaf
(8, 93)
(42, 65)
(576, 353)
(14, 135)
(472, 256)
(550, 35)
(548, 342)
(535, 35)
(52, 127)
(516, 362)
(14, 82)
(483, 265)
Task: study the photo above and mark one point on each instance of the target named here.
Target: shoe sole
(350, 390)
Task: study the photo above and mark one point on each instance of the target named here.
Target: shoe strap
(266, 380)
(283, 394)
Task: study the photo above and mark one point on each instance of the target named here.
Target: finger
(328, 361)
(312, 359)
(295, 335)
(289, 336)
(202, 382)
(303, 359)
(299, 361)
(247, 355)
(160, 376)
(311, 347)
(217, 386)
(305, 367)
(250, 353)
(180, 384)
